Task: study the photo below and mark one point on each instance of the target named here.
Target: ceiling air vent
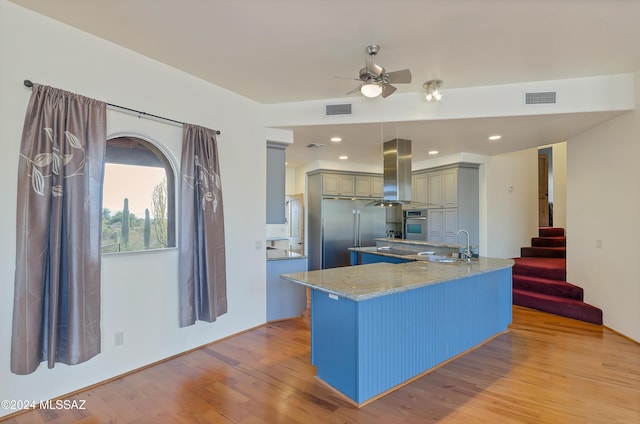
(333, 110)
(541, 98)
(315, 145)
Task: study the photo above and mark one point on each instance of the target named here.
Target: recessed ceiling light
(336, 139)
(495, 137)
(433, 152)
(344, 157)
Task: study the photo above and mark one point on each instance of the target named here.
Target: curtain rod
(28, 83)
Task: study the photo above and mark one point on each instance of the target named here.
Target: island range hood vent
(397, 173)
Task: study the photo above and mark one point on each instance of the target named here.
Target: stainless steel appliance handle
(357, 228)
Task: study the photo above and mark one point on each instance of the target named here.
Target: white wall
(139, 289)
(603, 203)
(510, 205)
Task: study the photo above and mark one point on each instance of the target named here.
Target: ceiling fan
(376, 80)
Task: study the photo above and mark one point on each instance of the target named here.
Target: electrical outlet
(118, 338)
(598, 244)
(258, 244)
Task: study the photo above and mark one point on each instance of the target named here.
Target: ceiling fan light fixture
(433, 90)
(371, 90)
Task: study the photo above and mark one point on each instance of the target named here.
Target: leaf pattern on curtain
(207, 181)
(41, 161)
(56, 308)
(202, 268)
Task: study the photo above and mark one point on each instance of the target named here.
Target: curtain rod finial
(28, 83)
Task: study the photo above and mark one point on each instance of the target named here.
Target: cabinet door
(275, 188)
(347, 185)
(330, 184)
(450, 188)
(338, 185)
(377, 187)
(363, 186)
(435, 225)
(420, 188)
(435, 189)
(450, 226)
(394, 214)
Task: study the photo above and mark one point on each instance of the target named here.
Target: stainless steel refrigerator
(348, 223)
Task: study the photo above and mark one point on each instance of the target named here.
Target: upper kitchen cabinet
(369, 186)
(419, 187)
(352, 185)
(453, 190)
(275, 183)
(338, 185)
(444, 187)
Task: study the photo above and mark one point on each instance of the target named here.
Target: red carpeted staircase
(539, 279)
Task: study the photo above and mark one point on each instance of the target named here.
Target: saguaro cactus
(125, 222)
(147, 229)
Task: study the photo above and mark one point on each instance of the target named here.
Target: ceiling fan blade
(400, 77)
(387, 90)
(355, 90)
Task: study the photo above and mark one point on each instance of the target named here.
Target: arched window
(138, 210)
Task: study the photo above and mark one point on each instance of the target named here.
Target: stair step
(549, 287)
(543, 252)
(550, 232)
(548, 268)
(549, 241)
(556, 305)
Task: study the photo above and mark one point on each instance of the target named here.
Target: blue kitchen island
(377, 326)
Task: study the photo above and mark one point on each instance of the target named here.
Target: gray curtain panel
(202, 269)
(56, 311)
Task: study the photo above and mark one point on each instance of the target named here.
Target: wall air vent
(541, 98)
(333, 110)
(315, 145)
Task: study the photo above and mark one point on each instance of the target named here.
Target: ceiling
(292, 50)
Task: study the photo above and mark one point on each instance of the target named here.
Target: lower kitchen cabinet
(284, 298)
(442, 225)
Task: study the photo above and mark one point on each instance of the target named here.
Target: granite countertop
(281, 254)
(413, 252)
(411, 243)
(363, 282)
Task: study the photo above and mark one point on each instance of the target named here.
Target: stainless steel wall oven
(415, 224)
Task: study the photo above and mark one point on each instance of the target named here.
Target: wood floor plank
(545, 369)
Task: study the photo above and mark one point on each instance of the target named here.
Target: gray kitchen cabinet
(352, 185)
(434, 184)
(285, 299)
(435, 230)
(275, 183)
(450, 188)
(394, 214)
(442, 225)
(338, 185)
(368, 186)
(377, 187)
(419, 188)
(451, 195)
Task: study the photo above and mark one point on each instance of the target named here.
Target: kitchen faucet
(466, 253)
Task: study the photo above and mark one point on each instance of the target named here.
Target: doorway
(295, 220)
(545, 187)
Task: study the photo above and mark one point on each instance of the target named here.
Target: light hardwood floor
(546, 369)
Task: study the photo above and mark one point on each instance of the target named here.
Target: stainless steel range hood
(397, 173)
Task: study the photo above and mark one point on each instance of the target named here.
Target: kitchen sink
(444, 259)
(392, 251)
